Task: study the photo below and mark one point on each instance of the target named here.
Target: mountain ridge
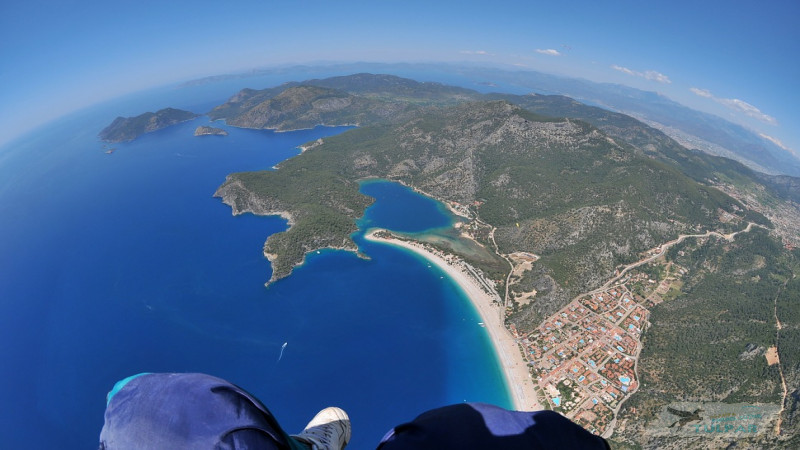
(448, 168)
(709, 133)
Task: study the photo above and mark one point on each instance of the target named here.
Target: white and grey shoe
(328, 430)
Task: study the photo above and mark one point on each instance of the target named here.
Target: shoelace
(327, 434)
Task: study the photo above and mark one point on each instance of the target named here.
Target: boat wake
(283, 347)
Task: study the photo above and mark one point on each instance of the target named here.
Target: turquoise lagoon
(114, 264)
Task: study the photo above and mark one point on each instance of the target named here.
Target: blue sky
(738, 59)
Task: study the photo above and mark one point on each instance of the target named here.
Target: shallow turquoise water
(116, 264)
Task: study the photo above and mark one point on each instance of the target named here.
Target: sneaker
(328, 430)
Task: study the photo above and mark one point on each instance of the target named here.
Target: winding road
(663, 248)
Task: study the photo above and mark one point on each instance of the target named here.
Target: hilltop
(692, 129)
(361, 99)
(532, 176)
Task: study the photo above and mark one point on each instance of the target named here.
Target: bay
(115, 264)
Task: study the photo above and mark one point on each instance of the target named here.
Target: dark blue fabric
(482, 426)
(191, 410)
(197, 411)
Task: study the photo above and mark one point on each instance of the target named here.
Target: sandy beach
(514, 367)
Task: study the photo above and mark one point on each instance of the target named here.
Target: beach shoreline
(514, 367)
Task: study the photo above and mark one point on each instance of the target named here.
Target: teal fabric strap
(121, 384)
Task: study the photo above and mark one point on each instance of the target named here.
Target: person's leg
(482, 426)
(189, 410)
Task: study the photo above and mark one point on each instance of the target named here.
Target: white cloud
(737, 105)
(657, 76)
(747, 108)
(651, 75)
(778, 143)
(474, 52)
(702, 92)
(775, 141)
(548, 51)
(624, 70)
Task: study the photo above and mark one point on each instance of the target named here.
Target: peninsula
(490, 157)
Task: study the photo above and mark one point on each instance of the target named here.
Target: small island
(129, 128)
(209, 131)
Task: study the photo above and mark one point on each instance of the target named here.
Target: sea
(112, 264)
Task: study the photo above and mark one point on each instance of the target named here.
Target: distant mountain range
(695, 129)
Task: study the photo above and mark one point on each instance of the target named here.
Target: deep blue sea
(115, 264)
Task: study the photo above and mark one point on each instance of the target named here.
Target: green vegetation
(323, 212)
(675, 290)
(209, 131)
(585, 195)
(726, 308)
(708, 343)
(701, 167)
(129, 128)
(360, 99)
(656, 272)
(583, 202)
(567, 395)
